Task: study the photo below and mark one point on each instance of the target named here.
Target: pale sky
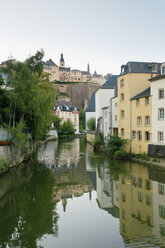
(105, 33)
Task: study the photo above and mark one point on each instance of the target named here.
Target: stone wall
(79, 93)
(156, 150)
(91, 136)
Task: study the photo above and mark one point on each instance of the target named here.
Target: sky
(103, 33)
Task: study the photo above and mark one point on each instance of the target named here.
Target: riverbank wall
(91, 135)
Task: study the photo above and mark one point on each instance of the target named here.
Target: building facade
(141, 122)
(66, 111)
(132, 80)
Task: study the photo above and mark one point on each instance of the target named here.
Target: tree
(108, 76)
(67, 128)
(82, 119)
(91, 123)
(31, 97)
(57, 122)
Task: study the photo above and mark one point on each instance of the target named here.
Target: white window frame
(139, 121)
(147, 121)
(139, 136)
(161, 114)
(160, 137)
(137, 102)
(134, 135)
(122, 83)
(122, 132)
(159, 94)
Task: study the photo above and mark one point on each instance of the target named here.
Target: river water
(68, 196)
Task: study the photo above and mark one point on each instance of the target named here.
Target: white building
(90, 110)
(65, 111)
(158, 107)
(114, 114)
(102, 101)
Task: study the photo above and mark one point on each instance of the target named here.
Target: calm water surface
(67, 196)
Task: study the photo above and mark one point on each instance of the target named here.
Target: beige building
(141, 122)
(132, 80)
(136, 202)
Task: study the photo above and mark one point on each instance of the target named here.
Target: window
(137, 102)
(139, 121)
(148, 199)
(122, 132)
(148, 220)
(163, 69)
(162, 211)
(115, 104)
(160, 137)
(140, 196)
(161, 189)
(122, 83)
(147, 136)
(161, 113)
(140, 182)
(115, 117)
(124, 228)
(147, 100)
(123, 180)
(139, 135)
(148, 184)
(134, 181)
(123, 214)
(161, 93)
(139, 214)
(147, 121)
(134, 135)
(122, 96)
(123, 197)
(122, 114)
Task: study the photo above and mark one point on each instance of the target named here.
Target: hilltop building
(65, 74)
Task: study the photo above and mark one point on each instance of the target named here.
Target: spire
(62, 58)
(88, 68)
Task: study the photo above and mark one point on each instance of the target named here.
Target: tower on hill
(62, 62)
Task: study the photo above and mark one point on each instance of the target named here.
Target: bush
(82, 120)
(116, 146)
(67, 128)
(98, 143)
(3, 166)
(91, 124)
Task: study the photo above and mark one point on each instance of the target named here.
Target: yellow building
(132, 80)
(135, 202)
(141, 122)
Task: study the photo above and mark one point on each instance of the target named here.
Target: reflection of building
(71, 182)
(136, 202)
(68, 153)
(90, 110)
(107, 194)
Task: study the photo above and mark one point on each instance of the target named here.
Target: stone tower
(62, 62)
(88, 68)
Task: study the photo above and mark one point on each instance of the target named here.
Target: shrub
(144, 156)
(3, 166)
(91, 124)
(67, 128)
(116, 145)
(98, 143)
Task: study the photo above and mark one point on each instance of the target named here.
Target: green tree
(31, 97)
(117, 147)
(57, 122)
(82, 120)
(91, 123)
(67, 128)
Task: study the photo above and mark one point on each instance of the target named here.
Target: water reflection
(116, 204)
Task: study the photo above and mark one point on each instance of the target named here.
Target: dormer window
(163, 69)
(154, 67)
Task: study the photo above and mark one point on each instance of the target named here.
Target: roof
(65, 106)
(86, 73)
(91, 105)
(111, 83)
(157, 78)
(140, 67)
(64, 68)
(49, 63)
(144, 93)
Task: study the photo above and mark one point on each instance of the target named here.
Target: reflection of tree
(117, 168)
(29, 212)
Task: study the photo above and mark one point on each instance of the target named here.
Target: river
(69, 196)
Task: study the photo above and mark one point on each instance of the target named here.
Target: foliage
(108, 76)
(3, 166)
(31, 97)
(66, 128)
(98, 143)
(117, 147)
(82, 120)
(57, 122)
(19, 137)
(91, 123)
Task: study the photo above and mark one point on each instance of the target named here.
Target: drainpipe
(130, 131)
